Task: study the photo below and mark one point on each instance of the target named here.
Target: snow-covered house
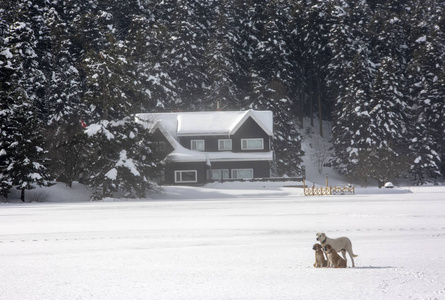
(199, 147)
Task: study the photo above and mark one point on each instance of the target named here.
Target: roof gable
(208, 123)
(172, 125)
(263, 118)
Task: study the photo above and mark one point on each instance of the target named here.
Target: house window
(218, 174)
(252, 144)
(225, 145)
(197, 145)
(160, 146)
(242, 173)
(186, 176)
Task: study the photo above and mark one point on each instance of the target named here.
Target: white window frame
(237, 170)
(179, 172)
(252, 148)
(160, 146)
(223, 174)
(194, 143)
(223, 143)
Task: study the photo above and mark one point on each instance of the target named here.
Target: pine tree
(351, 76)
(286, 141)
(187, 24)
(146, 42)
(223, 69)
(23, 159)
(98, 60)
(352, 129)
(312, 31)
(271, 82)
(65, 86)
(426, 94)
(389, 113)
(120, 159)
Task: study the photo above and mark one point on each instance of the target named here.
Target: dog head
(327, 248)
(316, 247)
(320, 236)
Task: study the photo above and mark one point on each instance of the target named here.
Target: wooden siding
(249, 130)
(261, 169)
(210, 142)
(158, 136)
(200, 167)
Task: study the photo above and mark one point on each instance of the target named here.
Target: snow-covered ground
(223, 241)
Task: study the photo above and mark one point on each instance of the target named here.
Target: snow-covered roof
(221, 122)
(226, 123)
(185, 155)
(209, 122)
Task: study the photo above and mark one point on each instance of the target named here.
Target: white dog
(341, 244)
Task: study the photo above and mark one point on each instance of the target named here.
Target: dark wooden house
(199, 147)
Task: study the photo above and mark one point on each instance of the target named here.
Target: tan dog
(320, 261)
(341, 244)
(334, 260)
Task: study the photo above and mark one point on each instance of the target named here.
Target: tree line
(375, 69)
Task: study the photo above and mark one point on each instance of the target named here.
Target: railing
(341, 190)
(328, 190)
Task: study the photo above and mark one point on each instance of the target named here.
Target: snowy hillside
(316, 152)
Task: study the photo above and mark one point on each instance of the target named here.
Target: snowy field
(223, 242)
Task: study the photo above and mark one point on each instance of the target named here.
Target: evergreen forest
(374, 69)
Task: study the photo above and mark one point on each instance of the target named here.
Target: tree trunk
(311, 105)
(320, 119)
(22, 195)
(301, 107)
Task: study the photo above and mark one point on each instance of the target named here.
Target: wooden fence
(328, 190)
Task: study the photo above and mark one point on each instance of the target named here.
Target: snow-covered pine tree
(352, 123)
(287, 140)
(64, 88)
(311, 31)
(120, 161)
(271, 81)
(6, 156)
(388, 157)
(222, 67)
(426, 93)
(243, 41)
(108, 75)
(187, 25)
(64, 110)
(147, 41)
(351, 79)
(23, 159)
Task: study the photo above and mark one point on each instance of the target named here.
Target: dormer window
(197, 145)
(225, 145)
(160, 146)
(252, 144)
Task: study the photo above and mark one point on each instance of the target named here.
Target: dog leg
(343, 253)
(352, 259)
